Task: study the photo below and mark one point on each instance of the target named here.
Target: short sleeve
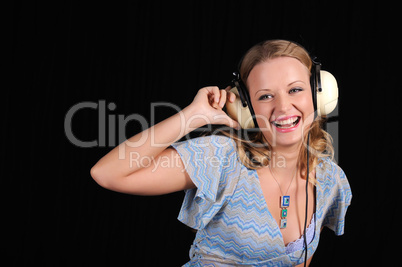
(213, 166)
(338, 196)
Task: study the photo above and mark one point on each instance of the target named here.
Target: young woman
(245, 196)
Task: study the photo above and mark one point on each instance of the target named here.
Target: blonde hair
(254, 151)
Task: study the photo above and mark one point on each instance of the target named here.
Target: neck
(284, 159)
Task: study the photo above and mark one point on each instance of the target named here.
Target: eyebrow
(287, 85)
(300, 81)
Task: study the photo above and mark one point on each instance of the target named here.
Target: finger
(234, 124)
(212, 95)
(215, 105)
(226, 120)
(222, 99)
(215, 91)
(227, 89)
(231, 97)
(211, 99)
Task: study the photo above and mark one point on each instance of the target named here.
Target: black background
(135, 53)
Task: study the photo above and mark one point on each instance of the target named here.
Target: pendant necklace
(285, 201)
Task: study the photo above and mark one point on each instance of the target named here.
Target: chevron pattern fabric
(227, 207)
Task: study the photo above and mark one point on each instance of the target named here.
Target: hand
(208, 104)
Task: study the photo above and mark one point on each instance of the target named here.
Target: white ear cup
(327, 99)
(239, 113)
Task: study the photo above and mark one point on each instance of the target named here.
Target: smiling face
(281, 98)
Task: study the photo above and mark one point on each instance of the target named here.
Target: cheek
(306, 106)
(262, 113)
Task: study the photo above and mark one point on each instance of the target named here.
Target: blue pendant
(285, 201)
(284, 213)
(284, 223)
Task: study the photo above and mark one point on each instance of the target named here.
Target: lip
(286, 130)
(282, 118)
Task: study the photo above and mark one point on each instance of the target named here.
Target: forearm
(144, 148)
(146, 145)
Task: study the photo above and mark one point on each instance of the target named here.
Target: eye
(265, 97)
(295, 90)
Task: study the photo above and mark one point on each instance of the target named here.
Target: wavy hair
(253, 149)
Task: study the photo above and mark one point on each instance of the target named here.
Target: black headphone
(324, 90)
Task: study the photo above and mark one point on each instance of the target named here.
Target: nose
(283, 104)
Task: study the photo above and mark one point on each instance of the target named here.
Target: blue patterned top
(228, 208)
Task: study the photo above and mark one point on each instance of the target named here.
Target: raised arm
(144, 165)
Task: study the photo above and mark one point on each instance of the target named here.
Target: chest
(249, 222)
(295, 212)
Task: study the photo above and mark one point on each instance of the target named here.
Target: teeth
(288, 121)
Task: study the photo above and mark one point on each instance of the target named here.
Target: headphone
(324, 89)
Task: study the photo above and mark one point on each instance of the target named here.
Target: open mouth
(287, 123)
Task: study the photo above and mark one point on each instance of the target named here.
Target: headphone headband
(315, 80)
(324, 90)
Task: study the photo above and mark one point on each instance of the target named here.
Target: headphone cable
(305, 219)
